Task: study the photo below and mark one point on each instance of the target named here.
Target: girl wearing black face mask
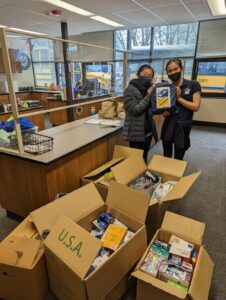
(176, 128)
(139, 126)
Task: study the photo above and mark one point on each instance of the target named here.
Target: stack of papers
(104, 122)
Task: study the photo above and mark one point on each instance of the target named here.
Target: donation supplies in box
(79, 266)
(175, 265)
(168, 170)
(23, 273)
(120, 153)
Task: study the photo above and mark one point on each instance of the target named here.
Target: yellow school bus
(212, 76)
(212, 84)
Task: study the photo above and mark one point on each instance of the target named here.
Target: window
(157, 65)
(212, 76)
(140, 40)
(118, 77)
(120, 42)
(167, 42)
(98, 77)
(120, 39)
(45, 74)
(175, 40)
(42, 50)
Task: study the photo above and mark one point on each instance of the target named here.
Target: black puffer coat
(136, 107)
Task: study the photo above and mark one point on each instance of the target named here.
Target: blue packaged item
(103, 220)
(99, 225)
(25, 124)
(164, 98)
(106, 218)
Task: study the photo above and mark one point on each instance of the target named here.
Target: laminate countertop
(68, 138)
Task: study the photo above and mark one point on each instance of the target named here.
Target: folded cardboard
(22, 264)
(191, 231)
(119, 154)
(168, 169)
(70, 249)
(74, 205)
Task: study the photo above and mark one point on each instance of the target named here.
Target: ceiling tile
(199, 10)
(182, 15)
(157, 3)
(143, 18)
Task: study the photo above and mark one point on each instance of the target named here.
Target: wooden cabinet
(42, 97)
(57, 117)
(15, 62)
(35, 184)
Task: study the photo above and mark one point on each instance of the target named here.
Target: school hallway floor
(205, 202)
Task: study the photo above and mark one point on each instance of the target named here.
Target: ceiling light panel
(69, 7)
(217, 7)
(106, 21)
(26, 31)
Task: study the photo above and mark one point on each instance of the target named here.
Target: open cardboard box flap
(129, 169)
(73, 244)
(182, 187)
(126, 152)
(159, 284)
(127, 200)
(25, 229)
(182, 226)
(74, 205)
(201, 281)
(166, 165)
(120, 153)
(19, 251)
(102, 168)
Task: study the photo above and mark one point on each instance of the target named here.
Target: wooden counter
(29, 181)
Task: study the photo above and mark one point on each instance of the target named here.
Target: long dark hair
(145, 66)
(175, 60)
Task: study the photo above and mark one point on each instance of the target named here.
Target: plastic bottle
(62, 94)
(93, 110)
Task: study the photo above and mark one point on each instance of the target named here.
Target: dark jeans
(143, 146)
(168, 150)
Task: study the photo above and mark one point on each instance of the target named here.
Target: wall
(212, 110)
(104, 39)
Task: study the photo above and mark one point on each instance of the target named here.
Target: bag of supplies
(107, 110)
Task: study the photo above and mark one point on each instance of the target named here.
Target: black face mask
(175, 77)
(145, 81)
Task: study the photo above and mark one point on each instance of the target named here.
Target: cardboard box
(191, 231)
(70, 249)
(168, 169)
(23, 272)
(120, 153)
(74, 205)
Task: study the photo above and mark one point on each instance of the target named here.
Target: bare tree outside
(181, 34)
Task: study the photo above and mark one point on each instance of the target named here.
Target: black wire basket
(34, 143)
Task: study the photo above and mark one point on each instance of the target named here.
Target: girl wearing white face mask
(139, 128)
(176, 128)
